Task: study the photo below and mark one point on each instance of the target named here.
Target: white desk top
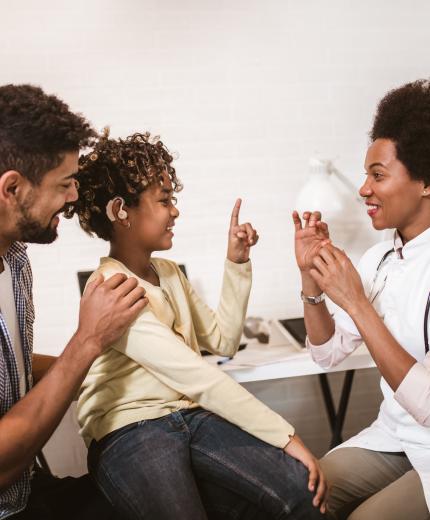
(283, 357)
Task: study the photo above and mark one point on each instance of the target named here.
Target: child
(165, 428)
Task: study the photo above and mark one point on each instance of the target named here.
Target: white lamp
(325, 193)
(331, 192)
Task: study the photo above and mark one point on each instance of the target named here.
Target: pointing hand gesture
(241, 237)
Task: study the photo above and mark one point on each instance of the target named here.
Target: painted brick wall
(244, 90)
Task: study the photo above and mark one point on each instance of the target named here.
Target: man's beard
(30, 230)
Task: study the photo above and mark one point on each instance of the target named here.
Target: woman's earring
(128, 225)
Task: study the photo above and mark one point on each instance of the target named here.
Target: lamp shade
(323, 192)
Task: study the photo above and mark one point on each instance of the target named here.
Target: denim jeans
(194, 465)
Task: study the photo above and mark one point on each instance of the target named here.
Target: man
(39, 146)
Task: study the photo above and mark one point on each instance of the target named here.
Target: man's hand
(108, 308)
(241, 237)
(309, 239)
(317, 484)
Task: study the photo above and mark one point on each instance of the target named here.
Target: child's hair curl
(118, 167)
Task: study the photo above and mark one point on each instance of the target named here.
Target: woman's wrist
(358, 307)
(309, 286)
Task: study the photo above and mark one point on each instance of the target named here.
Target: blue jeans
(194, 465)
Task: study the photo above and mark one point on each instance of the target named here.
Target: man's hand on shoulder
(108, 307)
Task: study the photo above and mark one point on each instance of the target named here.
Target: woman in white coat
(384, 471)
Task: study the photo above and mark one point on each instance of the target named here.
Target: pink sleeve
(336, 349)
(413, 393)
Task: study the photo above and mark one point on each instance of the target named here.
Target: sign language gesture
(241, 237)
(310, 238)
(334, 272)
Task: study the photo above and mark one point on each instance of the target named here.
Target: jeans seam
(268, 491)
(126, 499)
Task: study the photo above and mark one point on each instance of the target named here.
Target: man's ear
(11, 183)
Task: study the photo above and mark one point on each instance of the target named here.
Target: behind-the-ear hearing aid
(122, 214)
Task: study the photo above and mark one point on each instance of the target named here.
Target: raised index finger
(234, 221)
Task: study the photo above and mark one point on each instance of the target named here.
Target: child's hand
(317, 483)
(241, 237)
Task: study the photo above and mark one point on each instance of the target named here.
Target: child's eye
(170, 200)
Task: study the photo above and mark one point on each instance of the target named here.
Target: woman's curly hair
(118, 167)
(36, 129)
(403, 116)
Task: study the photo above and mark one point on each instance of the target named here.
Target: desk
(297, 363)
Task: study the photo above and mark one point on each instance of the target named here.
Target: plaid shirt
(14, 498)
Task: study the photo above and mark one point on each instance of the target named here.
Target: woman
(169, 435)
(384, 471)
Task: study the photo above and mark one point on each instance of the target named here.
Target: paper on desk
(281, 347)
(257, 354)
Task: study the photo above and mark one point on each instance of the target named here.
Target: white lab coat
(403, 422)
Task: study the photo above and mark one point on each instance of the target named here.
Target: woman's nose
(366, 189)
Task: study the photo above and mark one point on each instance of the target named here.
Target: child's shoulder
(166, 267)
(107, 268)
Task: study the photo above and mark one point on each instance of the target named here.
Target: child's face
(151, 222)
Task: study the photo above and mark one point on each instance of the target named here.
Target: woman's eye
(377, 176)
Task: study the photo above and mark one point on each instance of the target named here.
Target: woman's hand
(317, 484)
(334, 273)
(309, 239)
(241, 237)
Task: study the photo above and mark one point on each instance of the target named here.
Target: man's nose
(72, 193)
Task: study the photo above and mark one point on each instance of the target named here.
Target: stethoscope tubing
(427, 311)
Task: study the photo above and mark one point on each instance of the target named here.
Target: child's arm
(161, 352)
(220, 332)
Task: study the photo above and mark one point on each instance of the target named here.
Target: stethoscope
(372, 298)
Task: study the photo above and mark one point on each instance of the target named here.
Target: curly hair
(403, 116)
(118, 167)
(36, 130)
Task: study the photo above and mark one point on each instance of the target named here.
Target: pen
(222, 361)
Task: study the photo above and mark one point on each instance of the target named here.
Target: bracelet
(312, 300)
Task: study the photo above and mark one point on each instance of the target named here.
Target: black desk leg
(336, 419)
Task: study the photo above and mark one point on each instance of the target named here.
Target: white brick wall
(245, 90)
